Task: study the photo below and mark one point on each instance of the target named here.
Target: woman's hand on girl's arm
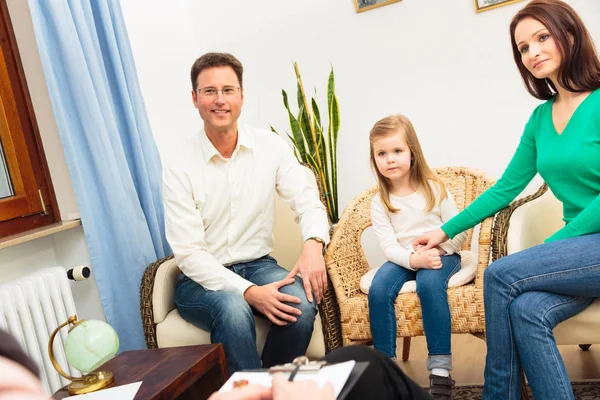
(430, 240)
(441, 251)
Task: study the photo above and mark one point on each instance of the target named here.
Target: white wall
(447, 68)
(68, 248)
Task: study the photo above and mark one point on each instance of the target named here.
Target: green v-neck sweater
(569, 163)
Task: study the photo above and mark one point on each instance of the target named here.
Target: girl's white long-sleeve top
(397, 231)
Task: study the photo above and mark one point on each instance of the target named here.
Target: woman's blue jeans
(230, 319)
(526, 295)
(431, 288)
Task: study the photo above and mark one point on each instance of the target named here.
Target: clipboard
(263, 376)
(302, 364)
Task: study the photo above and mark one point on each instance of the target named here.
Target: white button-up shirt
(221, 211)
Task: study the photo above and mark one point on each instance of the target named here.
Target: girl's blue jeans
(431, 288)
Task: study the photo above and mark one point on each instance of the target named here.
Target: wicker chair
(346, 264)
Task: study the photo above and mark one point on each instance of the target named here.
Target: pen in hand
(298, 361)
(294, 372)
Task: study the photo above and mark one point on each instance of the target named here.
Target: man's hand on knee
(269, 301)
(311, 265)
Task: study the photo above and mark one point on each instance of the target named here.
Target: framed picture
(484, 5)
(365, 5)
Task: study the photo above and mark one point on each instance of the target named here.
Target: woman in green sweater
(528, 293)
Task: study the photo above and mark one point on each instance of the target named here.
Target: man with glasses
(219, 198)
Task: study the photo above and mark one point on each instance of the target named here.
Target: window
(26, 195)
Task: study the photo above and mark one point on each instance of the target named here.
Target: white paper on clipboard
(337, 374)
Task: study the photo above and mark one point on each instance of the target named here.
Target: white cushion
(529, 225)
(533, 222)
(174, 331)
(468, 270)
(163, 293)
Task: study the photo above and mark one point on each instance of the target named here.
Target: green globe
(90, 344)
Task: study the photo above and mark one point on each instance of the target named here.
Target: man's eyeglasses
(227, 91)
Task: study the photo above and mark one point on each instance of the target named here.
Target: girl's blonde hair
(420, 173)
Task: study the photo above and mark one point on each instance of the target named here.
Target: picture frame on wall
(484, 5)
(365, 5)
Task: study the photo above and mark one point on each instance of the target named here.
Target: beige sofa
(164, 327)
(530, 224)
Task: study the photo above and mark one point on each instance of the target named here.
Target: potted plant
(314, 143)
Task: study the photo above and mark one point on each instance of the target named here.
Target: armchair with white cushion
(526, 223)
(164, 327)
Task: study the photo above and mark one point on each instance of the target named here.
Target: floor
(469, 359)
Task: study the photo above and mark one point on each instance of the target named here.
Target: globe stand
(87, 383)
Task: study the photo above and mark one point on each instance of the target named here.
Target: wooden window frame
(34, 202)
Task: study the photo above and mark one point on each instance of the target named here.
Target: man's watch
(318, 240)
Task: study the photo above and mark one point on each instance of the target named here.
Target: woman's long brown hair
(580, 67)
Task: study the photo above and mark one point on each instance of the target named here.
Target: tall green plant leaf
(322, 144)
(316, 113)
(303, 122)
(296, 131)
(333, 105)
(333, 129)
(322, 149)
(295, 148)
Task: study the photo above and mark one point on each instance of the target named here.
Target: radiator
(31, 308)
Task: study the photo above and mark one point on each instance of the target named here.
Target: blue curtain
(111, 155)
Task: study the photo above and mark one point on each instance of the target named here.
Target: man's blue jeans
(230, 320)
(526, 295)
(431, 288)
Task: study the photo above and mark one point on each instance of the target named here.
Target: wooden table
(191, 372)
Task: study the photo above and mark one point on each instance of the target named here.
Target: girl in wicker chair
(526, 294)
(412, 200)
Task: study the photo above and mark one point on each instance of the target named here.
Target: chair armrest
(329, 311)
(503, 222)
(147, 309)
(163, 295)
(483, 253)
(345, 260)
